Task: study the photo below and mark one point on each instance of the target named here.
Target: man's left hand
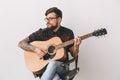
(77, 41)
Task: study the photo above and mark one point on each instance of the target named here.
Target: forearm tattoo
(24, 44)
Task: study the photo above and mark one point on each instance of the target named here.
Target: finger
(40, 55)
(78, 41)
(44, 52)
(75, 41)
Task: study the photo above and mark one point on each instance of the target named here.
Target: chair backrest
(69, 75)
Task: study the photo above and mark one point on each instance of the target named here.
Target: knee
(52, 63)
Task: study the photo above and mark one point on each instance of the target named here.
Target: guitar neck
(67, 43)
(86, 36)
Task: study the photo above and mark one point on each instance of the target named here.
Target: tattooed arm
(24, 44)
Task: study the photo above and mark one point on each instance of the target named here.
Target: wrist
(76, 46)
(35, 49)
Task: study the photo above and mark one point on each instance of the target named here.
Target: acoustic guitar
(55, 49)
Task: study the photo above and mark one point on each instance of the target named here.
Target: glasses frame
(49, 19)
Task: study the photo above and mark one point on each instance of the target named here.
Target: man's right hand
(40, 52)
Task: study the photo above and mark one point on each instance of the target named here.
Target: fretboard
(67, 43)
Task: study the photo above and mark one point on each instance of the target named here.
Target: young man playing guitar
(53, 70)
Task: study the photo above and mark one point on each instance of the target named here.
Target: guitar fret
(86, 36)
(65, 44)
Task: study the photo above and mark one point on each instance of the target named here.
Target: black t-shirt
(63, 33)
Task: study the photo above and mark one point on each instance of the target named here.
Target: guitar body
(34, 63)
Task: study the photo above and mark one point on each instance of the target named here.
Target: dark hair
(57, 11)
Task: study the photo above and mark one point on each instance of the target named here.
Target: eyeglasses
(49, 19)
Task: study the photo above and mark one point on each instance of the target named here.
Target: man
(53, 21)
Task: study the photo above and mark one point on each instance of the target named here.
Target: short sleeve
(35, 36)
(71, 34)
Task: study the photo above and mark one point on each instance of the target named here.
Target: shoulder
(41, 30)
(38, 32)
(65, 29)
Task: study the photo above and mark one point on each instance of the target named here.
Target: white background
(99, 57)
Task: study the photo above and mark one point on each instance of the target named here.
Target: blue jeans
(53, 71)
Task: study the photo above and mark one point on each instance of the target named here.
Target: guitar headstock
(100, 32)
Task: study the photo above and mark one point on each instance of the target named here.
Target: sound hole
(51, 49)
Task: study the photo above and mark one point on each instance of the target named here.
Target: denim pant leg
(56, 77)
(52, 68)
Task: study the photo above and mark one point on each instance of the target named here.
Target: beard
(53, 27)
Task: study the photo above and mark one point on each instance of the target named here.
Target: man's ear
(59, 19)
